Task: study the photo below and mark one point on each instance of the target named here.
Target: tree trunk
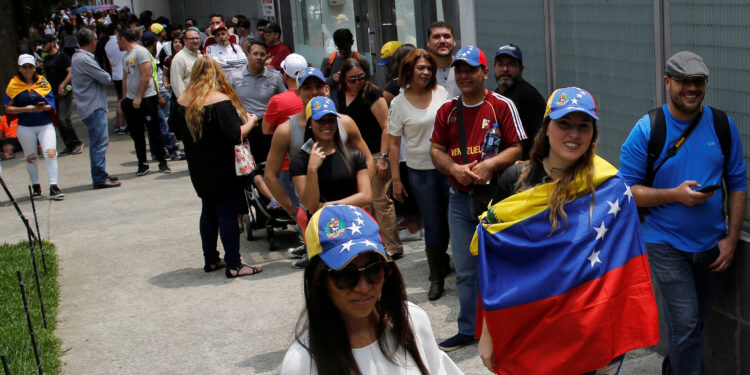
(9, 38)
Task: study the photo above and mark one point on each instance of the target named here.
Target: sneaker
(405, 235)
(55, 193)
(164, 168)
(177, 155)
(77, 150)
(65, 152)
(143, 169)
(122, 130)
(37, 191)
(297, 252)
(301, 263)
(455, 342)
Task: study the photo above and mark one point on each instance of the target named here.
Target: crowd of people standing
(345, 159)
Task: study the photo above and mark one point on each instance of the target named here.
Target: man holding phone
(687, 238)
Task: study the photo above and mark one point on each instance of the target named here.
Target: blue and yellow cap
(338, 233)
(568, 100)
(307, 73)
(320, 106)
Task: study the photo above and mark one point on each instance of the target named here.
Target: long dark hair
(350, 64)
(347, 152)
(328, 340)
(395, 62)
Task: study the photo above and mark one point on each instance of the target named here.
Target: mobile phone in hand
(709, 188)
(307, 147)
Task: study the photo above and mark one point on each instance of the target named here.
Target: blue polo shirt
(693, 229)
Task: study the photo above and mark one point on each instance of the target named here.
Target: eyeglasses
(194, 38)
(512, 64)
(357, 78)
(698, 81)
(348, 277)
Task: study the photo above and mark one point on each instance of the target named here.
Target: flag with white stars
(572, 300)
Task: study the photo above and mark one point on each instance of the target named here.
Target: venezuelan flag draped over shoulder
(41, 86)
(569, 302)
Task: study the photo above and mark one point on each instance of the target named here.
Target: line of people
(335, 144)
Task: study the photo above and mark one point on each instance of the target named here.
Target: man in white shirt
(229, 55)
(114, 55)
(182, 63)
(440, 41)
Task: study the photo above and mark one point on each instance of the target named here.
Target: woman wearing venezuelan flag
(29, 97)
(564, 279)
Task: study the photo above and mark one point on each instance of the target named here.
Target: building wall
(159, 7)
(201, 10)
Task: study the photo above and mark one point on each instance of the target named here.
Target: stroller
(259, 216)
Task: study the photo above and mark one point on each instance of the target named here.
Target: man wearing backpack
(331, 64)
(675, 160)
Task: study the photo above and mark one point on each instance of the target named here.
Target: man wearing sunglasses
(687, 238)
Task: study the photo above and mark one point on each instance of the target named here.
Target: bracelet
(383, 156)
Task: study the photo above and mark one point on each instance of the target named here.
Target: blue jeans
(687, 287)
(219, 217)
(286, 182)
(166, 136)
(432, 199)
(462, 226)
(96, 124)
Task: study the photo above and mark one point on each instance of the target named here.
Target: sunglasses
(348, 277)
(357, 78)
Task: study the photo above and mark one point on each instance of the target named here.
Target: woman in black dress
(214, 121)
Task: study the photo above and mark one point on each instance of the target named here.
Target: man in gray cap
(676, 174)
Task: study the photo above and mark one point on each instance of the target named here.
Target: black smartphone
(709, 188)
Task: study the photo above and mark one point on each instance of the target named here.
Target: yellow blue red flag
(566, 302)
(41, 87)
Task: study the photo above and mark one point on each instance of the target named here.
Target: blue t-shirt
(31, 118)
(693, 229)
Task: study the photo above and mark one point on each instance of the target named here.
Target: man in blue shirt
(687, 239)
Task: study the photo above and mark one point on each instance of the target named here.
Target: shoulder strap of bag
(461, 131)
(721, 127)
(657, 139)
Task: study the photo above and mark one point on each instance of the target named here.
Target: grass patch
(15, 342)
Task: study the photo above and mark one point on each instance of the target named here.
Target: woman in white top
(358, 320)
(412, 116)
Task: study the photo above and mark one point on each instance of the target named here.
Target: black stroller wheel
(271, 237)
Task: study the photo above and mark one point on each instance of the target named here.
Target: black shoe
(164, 168)
(302, 263)
(65, 152)
(177, 155)
(108, 184)
(455, 342)
(143, 169)
(436, 289)
(297, 252)
(37, 191)
(77, 150)
(55, 193)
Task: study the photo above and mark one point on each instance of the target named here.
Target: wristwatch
(384, 156)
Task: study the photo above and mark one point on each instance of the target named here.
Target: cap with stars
(306, 73)
(320, 106)
(471, 55)
(568, 100)
(338, 233)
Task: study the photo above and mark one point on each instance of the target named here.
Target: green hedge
(15, 342)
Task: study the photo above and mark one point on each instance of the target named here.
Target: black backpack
(658, 138)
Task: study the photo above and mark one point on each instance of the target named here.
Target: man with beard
(687, 238)
(440, 41)
(529, 102)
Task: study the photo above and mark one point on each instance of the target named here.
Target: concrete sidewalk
(135, 299)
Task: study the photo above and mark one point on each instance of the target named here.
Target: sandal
(255, 270)
(215, 266)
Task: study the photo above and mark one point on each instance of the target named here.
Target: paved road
(135, 299)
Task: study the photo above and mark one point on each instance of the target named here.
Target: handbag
(481, 195)
(244, 163)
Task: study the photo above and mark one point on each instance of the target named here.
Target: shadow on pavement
(263, 362)
(188, 277)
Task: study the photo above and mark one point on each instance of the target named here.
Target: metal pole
(5, 364)
(38, 286)
(38, 233)
(31, 326)
(18, 209)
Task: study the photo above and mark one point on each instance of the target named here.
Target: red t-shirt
(279, 108)
(477, 121)
(277, 54)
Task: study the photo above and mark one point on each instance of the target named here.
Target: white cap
(292, 64)
(26, 59)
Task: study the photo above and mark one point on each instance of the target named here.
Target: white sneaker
(405, 235)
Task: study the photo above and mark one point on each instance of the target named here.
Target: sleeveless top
(298, 135)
